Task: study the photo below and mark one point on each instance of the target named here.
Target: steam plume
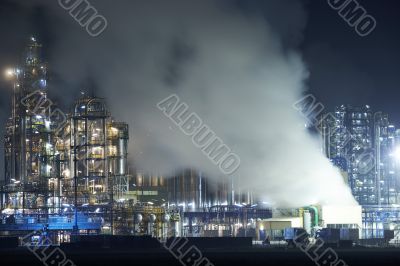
(230, 67)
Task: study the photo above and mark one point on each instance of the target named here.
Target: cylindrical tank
(138, 218)
(122, 143)
(307, 221)
(176, 229)
(166, 218)
(252, 223)
(152, 218)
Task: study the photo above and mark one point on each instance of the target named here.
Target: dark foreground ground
(218, 257)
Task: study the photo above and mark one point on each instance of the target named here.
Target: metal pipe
(75, 181)
(378, 156)
(316, 215)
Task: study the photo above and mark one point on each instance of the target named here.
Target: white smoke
(230, 68)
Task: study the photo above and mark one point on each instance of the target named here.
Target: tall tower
(349, 145)
(88, 148)
(60, 166)
(29, 153)
(385, 147)
(362, 143)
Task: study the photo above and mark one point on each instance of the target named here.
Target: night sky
(344, 68)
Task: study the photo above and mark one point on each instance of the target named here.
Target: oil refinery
(68, 174)
(199, 133)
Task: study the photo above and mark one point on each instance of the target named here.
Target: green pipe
(315, 210)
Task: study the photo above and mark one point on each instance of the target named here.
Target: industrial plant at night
(68, 173)
(199, 133)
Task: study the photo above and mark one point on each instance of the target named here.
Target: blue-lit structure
(60, 168)
(363, 144)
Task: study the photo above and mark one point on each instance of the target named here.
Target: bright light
(47, 124)
(396, 153)
(9, 72)
(66, 173)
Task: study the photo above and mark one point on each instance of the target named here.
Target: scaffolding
(58, 171)
(69, 173)
(29, 153)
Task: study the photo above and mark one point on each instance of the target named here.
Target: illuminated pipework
(87, 154)
(29, 160)
(83, 166)
(362, 144)
(117, 143)
(93, 150)
(117, 153)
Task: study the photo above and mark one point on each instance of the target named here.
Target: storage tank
(138, 218)
(152, 220)
(166, 218)
(307, 221)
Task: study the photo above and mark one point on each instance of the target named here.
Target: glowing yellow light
(9, 72)
(66, 173)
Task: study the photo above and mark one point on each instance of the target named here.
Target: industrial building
(68, 173)
(364, 145)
